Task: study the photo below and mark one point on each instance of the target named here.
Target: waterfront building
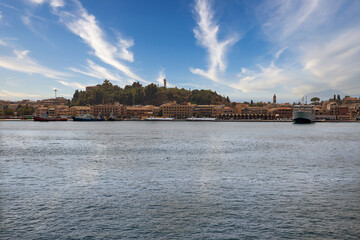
(108, 110)
(284, 112)
(51, 112)
(223, 112)
(344, 113)
(179, 111)
(204, 110)
(261, 113)
(41, 110)
(62, 110)
(238, 107)
(350, 100)
(142, 111)
(333, 108)
(53, 101)
(76, 111)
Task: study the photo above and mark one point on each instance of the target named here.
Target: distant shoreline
(184, 120)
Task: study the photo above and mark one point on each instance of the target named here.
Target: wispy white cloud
(3, 43)
(85, 25)
(57, 3)
(206, 34)
(289, 15)
(322, 42)
(75, 85)
(97, 71)
(337, 61)
(289, 80)
(37, 1)
(9, 95)
(123, 51)
(53, 3)
(262, 79)
(21, 62)
(26, 20)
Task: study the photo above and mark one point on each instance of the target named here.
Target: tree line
(20, 111)
(136, 94)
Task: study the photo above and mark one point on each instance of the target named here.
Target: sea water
(179, 180)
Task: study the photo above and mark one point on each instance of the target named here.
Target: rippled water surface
(179, 180)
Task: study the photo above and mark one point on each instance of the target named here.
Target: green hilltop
(136, 94)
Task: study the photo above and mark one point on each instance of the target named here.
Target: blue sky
(241, 49)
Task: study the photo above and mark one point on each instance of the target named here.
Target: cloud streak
(85, 25)
(321, 42)
(21, 62)
(9, 95)
(336, 62)
(75, 85)
(206, 34)
(97, 71)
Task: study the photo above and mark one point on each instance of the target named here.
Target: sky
(241, 49)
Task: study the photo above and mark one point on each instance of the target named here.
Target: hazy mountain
(325, 95)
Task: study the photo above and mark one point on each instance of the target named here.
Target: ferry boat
(158, 119)
(303, 114)
(200, 119)
(87, 118)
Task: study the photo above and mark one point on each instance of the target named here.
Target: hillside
(136, 94)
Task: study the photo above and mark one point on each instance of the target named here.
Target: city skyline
(240, 49)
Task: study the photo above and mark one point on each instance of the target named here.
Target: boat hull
(87, 120)
(303, 117)
(40, 119)
(302, 120)
(159, 119)
(201, 119)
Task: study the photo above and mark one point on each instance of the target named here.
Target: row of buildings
(345, 109)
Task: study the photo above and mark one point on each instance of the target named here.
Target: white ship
(200, 119)
(158, 119)
(303, 114)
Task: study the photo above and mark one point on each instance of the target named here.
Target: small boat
(47, 119)
(158, 119)
(87, 118)
(201, 119)
(303, 114)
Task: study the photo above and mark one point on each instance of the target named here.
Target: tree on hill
(8, 112)
(315, 100)
(25, 110)
(136, 94)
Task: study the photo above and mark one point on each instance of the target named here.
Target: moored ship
(303, 114)
(45, 118)
(200, 119)
(42, 119)
(87, 118)
(158, 119)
